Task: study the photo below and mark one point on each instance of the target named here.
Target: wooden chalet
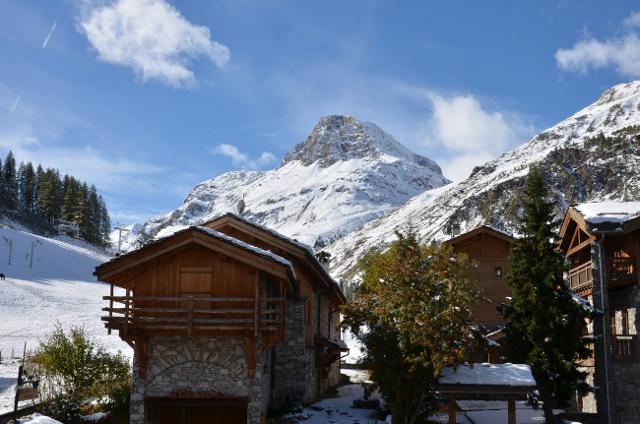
(226, 320)
(602, 244)
(489, 249)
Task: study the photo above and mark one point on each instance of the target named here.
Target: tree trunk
(547, 405)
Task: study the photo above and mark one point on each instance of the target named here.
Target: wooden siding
(489, 252)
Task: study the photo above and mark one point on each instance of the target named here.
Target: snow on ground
(59, 288)
(338, 409)
(355, 347)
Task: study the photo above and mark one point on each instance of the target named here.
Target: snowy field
(59, 287)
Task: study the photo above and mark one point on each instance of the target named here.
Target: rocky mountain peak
(342, 137)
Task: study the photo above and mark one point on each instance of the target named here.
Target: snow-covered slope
(59, 287)
(345, 174)
(581, 167)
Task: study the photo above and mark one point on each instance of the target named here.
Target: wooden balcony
(624, 348)
(193, 315)
(581, 278)
(621, 272)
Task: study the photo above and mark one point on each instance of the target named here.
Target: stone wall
(293, 361)
(624, 377)
(198, 364)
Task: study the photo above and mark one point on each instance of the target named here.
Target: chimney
(324, 258)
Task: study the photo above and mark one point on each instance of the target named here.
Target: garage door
(195, 412)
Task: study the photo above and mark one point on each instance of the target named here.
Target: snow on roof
(514, 375)
(244, 245)
(611, 212)
(274, 233)
(37, 419)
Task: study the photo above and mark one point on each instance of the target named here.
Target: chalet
(226, 320)
(489, 249)
(602, 244)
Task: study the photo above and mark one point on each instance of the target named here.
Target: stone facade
(198, 364)
(293, 361)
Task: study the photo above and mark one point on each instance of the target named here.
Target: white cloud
(152, 38)
(459, 166)
(622, 52)
(85, 163)
(470, 133)
(460, 123)
(242, 160)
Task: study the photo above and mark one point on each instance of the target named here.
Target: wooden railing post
(126, 313)
(110, 307)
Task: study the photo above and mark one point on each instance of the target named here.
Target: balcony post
(126, 313)
(110, 307)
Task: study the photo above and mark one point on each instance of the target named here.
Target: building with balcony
(226, 320)
(602, 244)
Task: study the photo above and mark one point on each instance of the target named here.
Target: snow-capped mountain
(344, 174)
(581, 165)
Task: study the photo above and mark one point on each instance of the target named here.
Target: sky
(146, 98)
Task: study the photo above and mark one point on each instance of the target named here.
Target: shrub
(74, 366)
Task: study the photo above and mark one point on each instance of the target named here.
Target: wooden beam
(452, 408)
(580, 246)
(141, 352)
(511, 411)
(110, 305)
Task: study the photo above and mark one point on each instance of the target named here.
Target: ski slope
(59, 287)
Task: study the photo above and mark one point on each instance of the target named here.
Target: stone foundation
(198, 365)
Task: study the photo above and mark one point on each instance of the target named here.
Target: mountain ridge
(582, 165)
(344, 174)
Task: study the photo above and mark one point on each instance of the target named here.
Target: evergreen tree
(27, 181)
(544, 322)
(48, 196)
(9, 184)
(416, 302)
(36, 190)
(70, 201)
(105, 224)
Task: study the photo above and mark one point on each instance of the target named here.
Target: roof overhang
(115, 270)
(483, 229)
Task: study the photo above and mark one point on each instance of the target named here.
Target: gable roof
(482, 229)
(607, 216)
(208, 238)
(288, 244)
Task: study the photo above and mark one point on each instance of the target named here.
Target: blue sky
(146, 98)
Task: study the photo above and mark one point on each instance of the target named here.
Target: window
(498, 271)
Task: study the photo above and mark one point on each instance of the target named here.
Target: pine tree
(36, 191)
(9, 183)
(105, 224)
(27, 181)
(544, 322)
(71, 192)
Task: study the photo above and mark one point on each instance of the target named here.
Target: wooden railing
(624, 348)
(193, 314)
(621, 268)
(580, 277)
